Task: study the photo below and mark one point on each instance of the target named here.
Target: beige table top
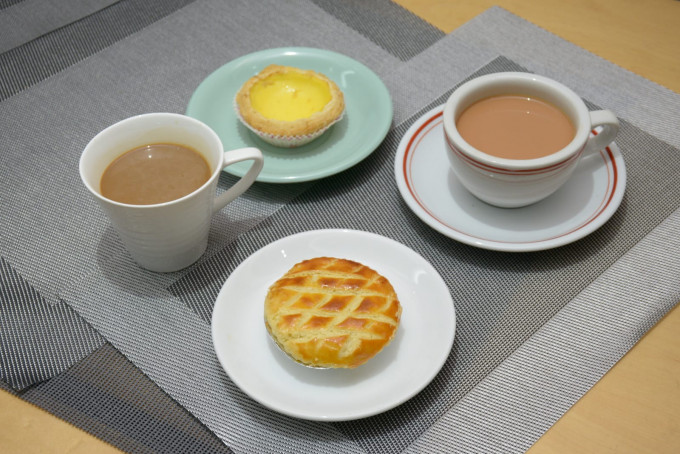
(636, 406)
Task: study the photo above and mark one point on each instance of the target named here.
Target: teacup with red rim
(515, 138)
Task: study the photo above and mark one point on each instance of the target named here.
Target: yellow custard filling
(290, 96)
(285, 101)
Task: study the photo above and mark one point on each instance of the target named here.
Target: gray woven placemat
(24, 21)
(39, 340)
(159, 323)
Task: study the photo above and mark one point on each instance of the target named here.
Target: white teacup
(167, 236)
(518, 182)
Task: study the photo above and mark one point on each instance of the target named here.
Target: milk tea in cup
(515, 138)
(155, 175)
(515, 126)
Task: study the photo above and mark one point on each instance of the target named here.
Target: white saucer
(433, 193)
(413, 358)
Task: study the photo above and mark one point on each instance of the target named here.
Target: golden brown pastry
(283, 101)
(332, 313)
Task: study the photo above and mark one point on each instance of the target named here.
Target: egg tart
(288, 106)
(331, 313)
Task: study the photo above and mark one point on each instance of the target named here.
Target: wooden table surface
(635, 408)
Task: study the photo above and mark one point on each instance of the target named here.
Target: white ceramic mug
(167, 236)
(512, 183)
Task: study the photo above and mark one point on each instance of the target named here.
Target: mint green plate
(368, 114)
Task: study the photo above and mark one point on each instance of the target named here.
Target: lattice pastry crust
(332, 313)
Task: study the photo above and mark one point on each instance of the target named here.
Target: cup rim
(495, 163)
(163, 115)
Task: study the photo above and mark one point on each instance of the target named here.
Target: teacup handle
(232, 157)
(610, 128)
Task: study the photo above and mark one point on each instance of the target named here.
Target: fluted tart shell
(306, 126)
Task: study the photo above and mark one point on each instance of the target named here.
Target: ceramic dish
(368, 114)
(431, 190)
(413, 358)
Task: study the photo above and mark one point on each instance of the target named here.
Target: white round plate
(431, 190)
(413, 358)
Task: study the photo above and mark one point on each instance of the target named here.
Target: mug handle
(610, 128)
(232, 157)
